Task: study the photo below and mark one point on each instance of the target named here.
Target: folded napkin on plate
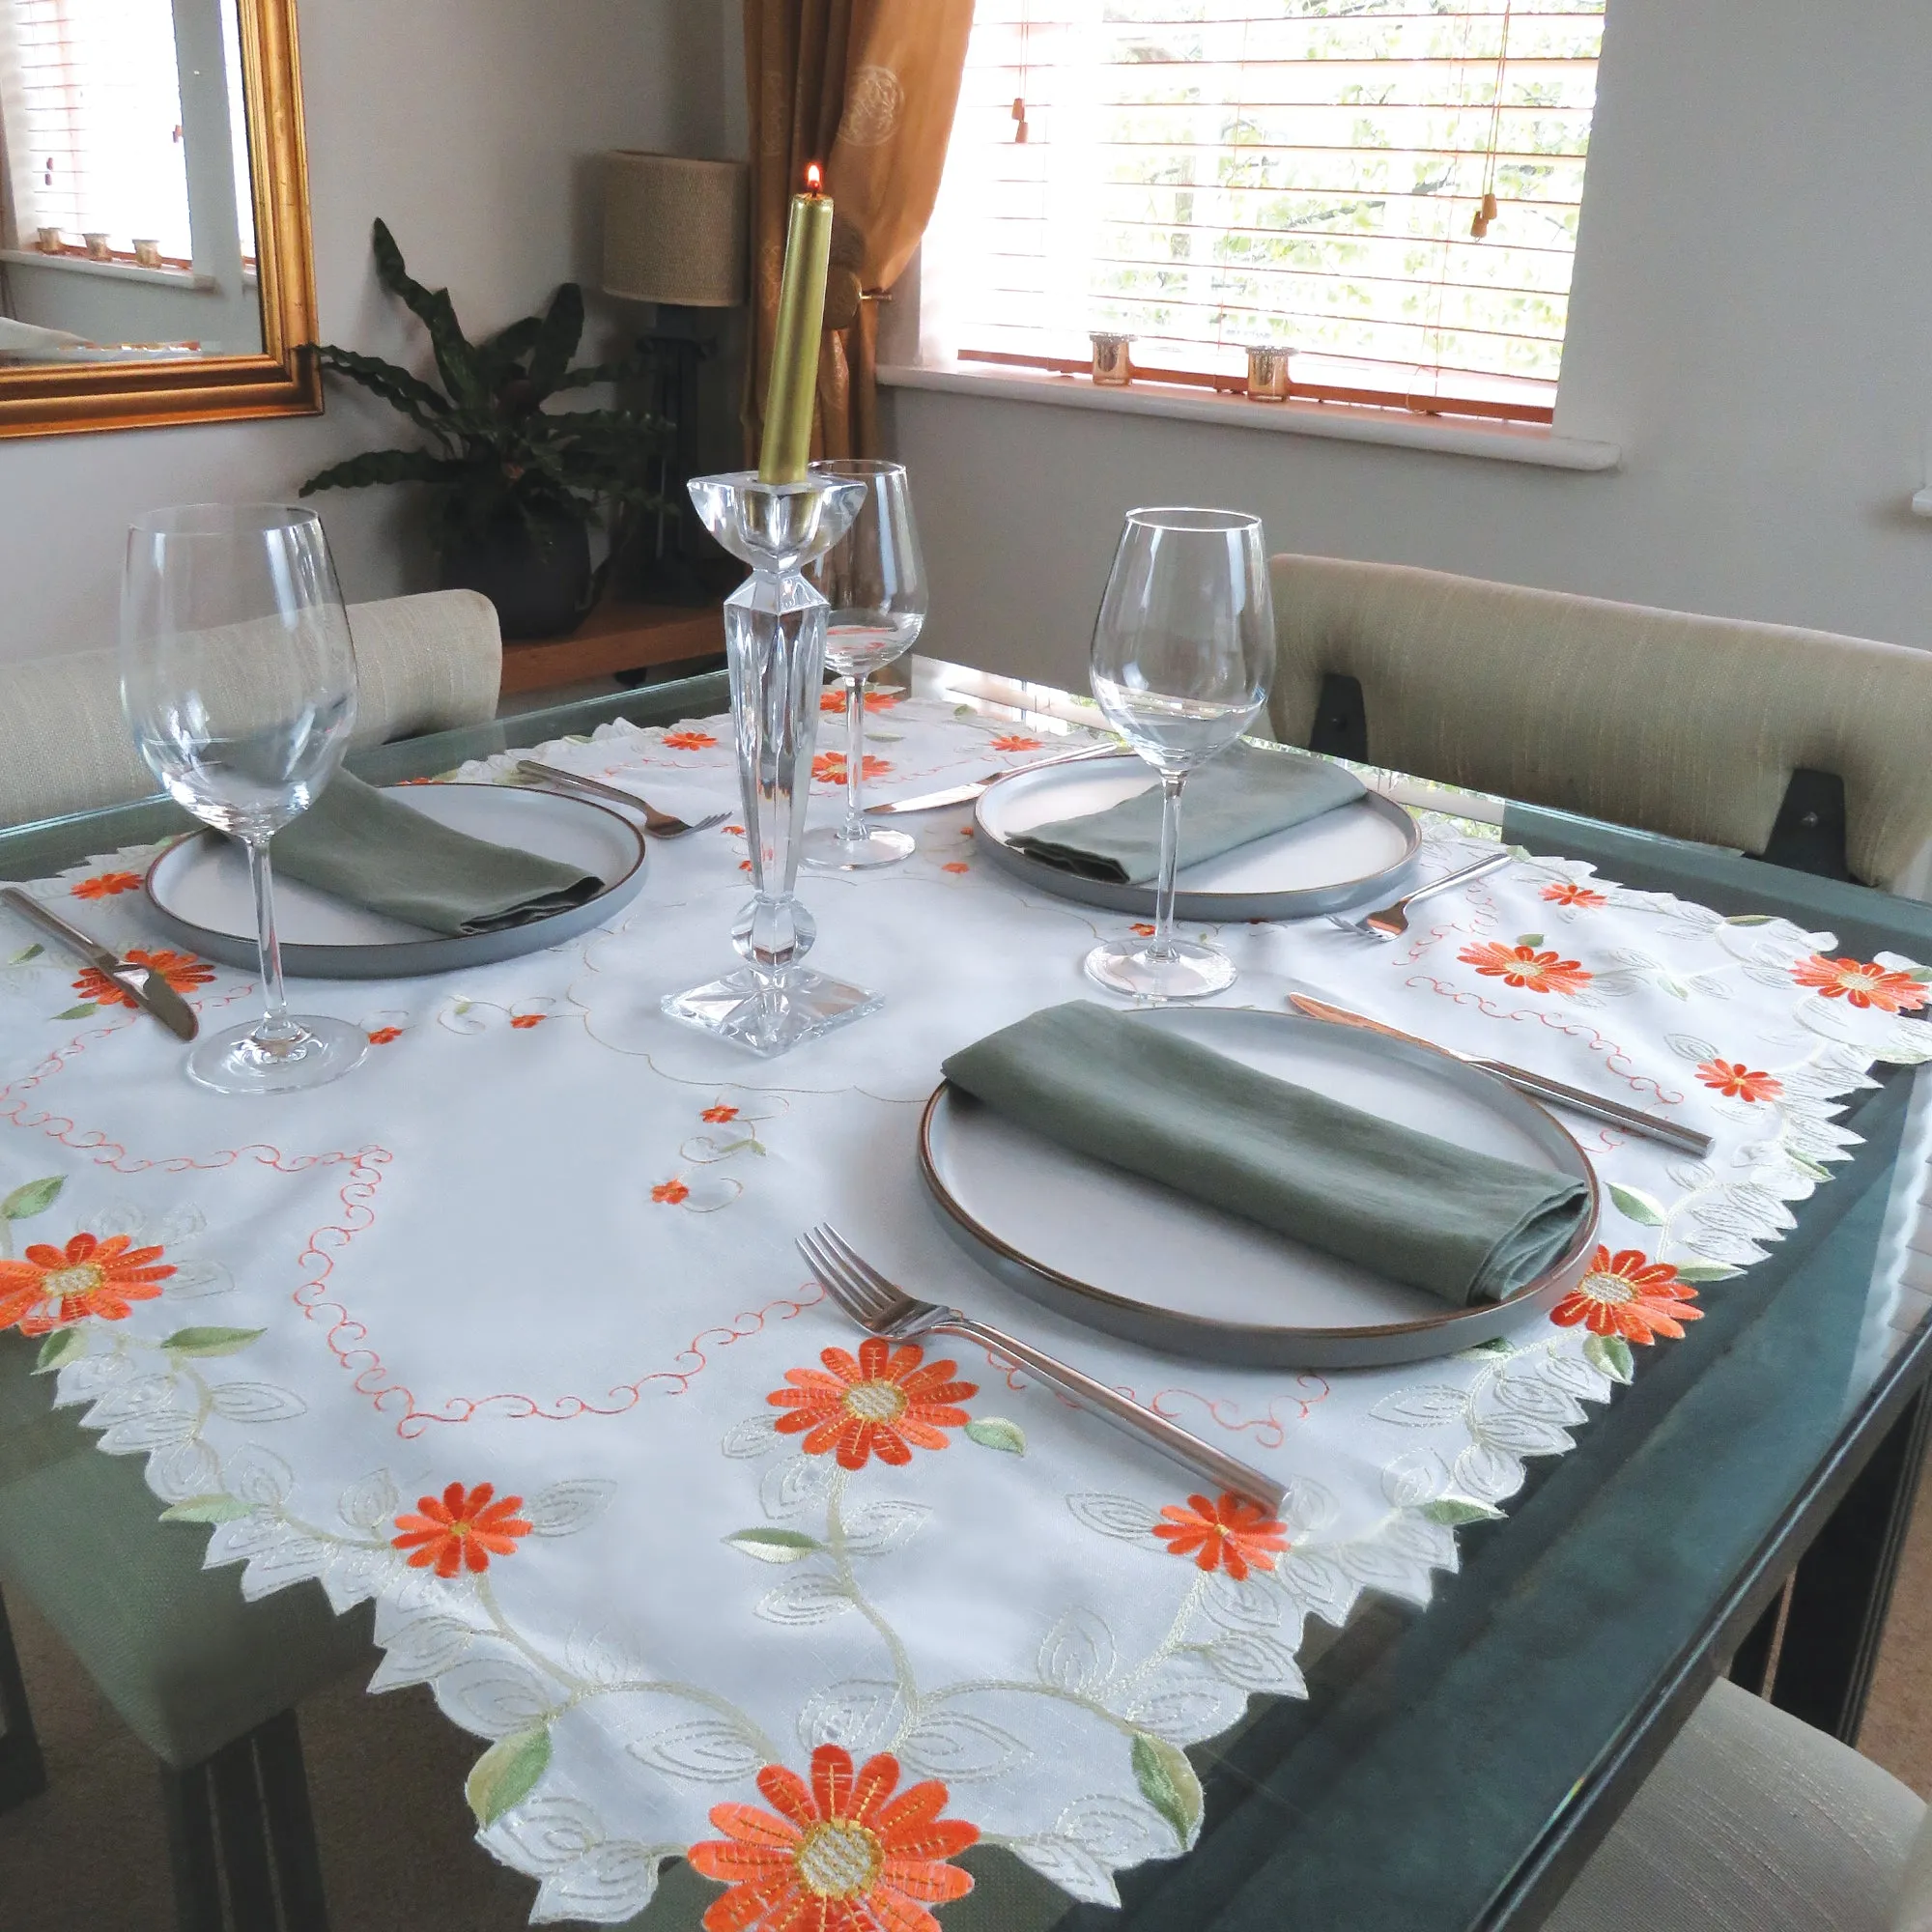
(1467, 1227)
(363, 846)
(1244, 795)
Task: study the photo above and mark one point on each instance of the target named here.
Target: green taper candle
(788, 396)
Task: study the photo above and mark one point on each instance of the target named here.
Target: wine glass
(1184, 651)
(237, 680)
(875, 582)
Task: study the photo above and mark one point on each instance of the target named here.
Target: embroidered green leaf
(1923, 974)
(62, 1346)
(1805, 1165)
(209, 1341)
(1750, 919)
(507, 1773)
(1612, 1354)
(207, 1509)
(1168, 1783)
(1494, 1346)
(775, 1545)
(21, 957)
(1633, 1204)
(33, 1197)
(1454, 1510)
(995, 1431)
(1529, 939)
(1700, 1272)
(78, 1013)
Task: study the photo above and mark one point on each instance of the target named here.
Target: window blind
(1206, 174)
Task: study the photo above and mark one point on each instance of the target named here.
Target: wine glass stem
(1171, 782)
(855, 759)
(277, 1027)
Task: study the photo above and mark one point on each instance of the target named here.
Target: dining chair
(1753, 1821)
(423, 664)
(1796, 746)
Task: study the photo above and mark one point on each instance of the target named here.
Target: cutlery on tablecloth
(148, 989)
(965, 794)
(1391, 921)
(876, 1304)
(1538, 1086)
(659, 824)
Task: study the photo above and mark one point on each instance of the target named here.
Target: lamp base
(768, 1018)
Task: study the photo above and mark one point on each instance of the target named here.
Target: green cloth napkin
(363, 846)
(1244, 795)
(1467, 1227)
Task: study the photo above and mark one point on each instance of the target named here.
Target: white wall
(1751, 321)
(471, 127)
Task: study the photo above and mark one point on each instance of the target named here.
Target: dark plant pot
(536, 574)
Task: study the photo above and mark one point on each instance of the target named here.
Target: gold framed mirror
(155, 257)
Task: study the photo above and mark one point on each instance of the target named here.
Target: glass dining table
(1738, 1509)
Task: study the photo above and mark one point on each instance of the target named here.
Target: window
(1206, 174)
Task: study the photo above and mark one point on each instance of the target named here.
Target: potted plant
(517, 485)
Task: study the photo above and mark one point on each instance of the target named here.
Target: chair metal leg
(23, 1771)
(242, 1838)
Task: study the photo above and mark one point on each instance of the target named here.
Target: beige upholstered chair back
(423, 664)
(1689, 726)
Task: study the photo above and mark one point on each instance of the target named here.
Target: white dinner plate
(200, 893)
(1348, 857)
(1126, 1255)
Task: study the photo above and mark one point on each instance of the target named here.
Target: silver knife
(965, 794)
(149, 990)
(1538, 1086)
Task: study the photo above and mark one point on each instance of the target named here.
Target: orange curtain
(868, 88)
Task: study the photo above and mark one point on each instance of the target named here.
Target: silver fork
(885, 1309)
(1391, 921)
(659, 824)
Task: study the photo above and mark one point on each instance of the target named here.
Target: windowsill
(1344, 422)
(118, 271)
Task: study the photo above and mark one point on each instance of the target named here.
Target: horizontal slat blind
(1204, 174)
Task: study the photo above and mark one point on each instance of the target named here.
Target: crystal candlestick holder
(775, 640)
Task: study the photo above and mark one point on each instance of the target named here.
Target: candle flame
(814, 178)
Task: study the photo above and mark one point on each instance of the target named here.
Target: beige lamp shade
(675, 230)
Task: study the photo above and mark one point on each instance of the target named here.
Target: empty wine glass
(875, 582)
(1184, 651)
(237, 680)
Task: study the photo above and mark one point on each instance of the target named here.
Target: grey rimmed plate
(1354, 854)
(1125, 1255)
(200, 893)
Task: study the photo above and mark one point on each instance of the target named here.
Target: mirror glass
(127, 206)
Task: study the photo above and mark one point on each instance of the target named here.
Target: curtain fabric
(867, 86)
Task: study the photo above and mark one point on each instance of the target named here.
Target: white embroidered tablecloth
(508, 1332)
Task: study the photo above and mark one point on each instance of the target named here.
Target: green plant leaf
(1612, 1354)
(556, 340)
(386, 466)
(78, 1013)
(32, 1197)
(1529, 939)
(775, 1545)
(455, 359)
(995, 1431)
(507, 1773)
(504, 352)
(1634, 1205)
(27, 952)
(1168, 1783)
(62, 1346)
(1702, 1271)
(1455, 1511)
(207, 1509)
(209, 1341)
(396, 386)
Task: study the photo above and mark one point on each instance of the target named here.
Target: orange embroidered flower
(883, 1405)
(385, 1036)
(829, 767)
(669, 1193)
(1017, 745)
(527, 1020)
(832, 698)
(841, 1855)
(461, 1529)
(735, 831)
(1566, 893)
(689, 741)
(1142, 929)
(182, 971)
(1734, 1081)
(956, 866)
(1630, 1296)
(1233, 1534)
(52, 1287)
(104, 885)
(1860, 985)
(1525, 966)
(719, 1115)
